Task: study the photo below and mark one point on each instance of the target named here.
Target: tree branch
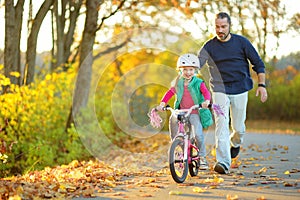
(111, 14)
(111, 49)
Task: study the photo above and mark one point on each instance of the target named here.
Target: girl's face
(188, 72)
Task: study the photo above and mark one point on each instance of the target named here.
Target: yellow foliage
(16, 74)
(34, 116)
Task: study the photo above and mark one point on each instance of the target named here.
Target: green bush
(282, 103)
(32, 125)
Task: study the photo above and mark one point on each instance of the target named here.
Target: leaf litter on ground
(94, 178)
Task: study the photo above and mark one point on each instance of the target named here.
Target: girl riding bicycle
(190, 90)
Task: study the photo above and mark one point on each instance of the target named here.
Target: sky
(45, 43)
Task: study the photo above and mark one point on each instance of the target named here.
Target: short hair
(223, 15)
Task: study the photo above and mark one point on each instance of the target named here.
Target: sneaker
(220, 168)
(203, 164)
(234, 151)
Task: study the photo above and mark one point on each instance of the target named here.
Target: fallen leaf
(146, 195)
(175, 193)
(15, 197)
(229, 197)
(199, 190)
(268, 182)
(286, 184)
(250, 183)
(213, 152)
(262, 170)
(235, 163)
(215, 179)
(295, 171)
(284, 159)
(286, 148)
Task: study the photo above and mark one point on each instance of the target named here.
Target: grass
(266, 126)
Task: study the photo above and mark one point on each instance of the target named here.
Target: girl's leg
(173, 126)
(198, 130)
(238, 116)
(222, 129)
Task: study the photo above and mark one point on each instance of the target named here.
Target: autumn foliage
(32, 122)
(33, 117)
(283, 86)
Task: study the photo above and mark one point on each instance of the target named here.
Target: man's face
(222, 29)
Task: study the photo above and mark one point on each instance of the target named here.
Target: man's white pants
(234, 108)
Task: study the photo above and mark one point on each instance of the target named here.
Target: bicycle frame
(187, 139)
(182, 117)
(181, 158)
(185, 162)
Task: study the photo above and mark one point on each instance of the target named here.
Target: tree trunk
(64, 39)
(32, 41)
(69, 36)
(60, 23)
(83, 82)
(13, 25)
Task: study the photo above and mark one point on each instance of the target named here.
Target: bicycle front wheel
(178, 165)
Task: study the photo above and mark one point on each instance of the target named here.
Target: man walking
(228, 56)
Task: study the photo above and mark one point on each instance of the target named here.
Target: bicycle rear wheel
(193, 168)
(178, 166)
(193, 164)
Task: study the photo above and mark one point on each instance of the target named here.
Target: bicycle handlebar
(186, 111)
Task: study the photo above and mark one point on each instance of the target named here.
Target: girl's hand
(161, 106)
(205, 104)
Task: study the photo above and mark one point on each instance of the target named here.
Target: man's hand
(263, 94)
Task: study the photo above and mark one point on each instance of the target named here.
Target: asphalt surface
(269, 168)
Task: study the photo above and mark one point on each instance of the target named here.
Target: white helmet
(188, 60)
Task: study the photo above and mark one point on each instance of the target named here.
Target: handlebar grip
(166, 107)
(209, 105)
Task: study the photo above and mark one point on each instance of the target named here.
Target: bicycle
(183, 153)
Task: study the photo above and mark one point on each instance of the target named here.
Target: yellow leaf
(229, 197)
(287, 172)
(62, 186)
(213, 152)
(261, 198)
(15, 197)
(110, 184)
(262, 170)
(218, 180)
(48, 77)
(16, 74)
(198, 190)
(175, 193)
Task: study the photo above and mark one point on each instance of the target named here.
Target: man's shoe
(234, 151)
(220, 168)
(203, 164)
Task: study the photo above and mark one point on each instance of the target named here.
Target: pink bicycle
(183, 152)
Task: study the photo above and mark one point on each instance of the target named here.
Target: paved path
(269, 168)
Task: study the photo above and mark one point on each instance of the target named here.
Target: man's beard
(223, 37)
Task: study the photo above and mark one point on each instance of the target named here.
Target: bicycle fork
(186, 148)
